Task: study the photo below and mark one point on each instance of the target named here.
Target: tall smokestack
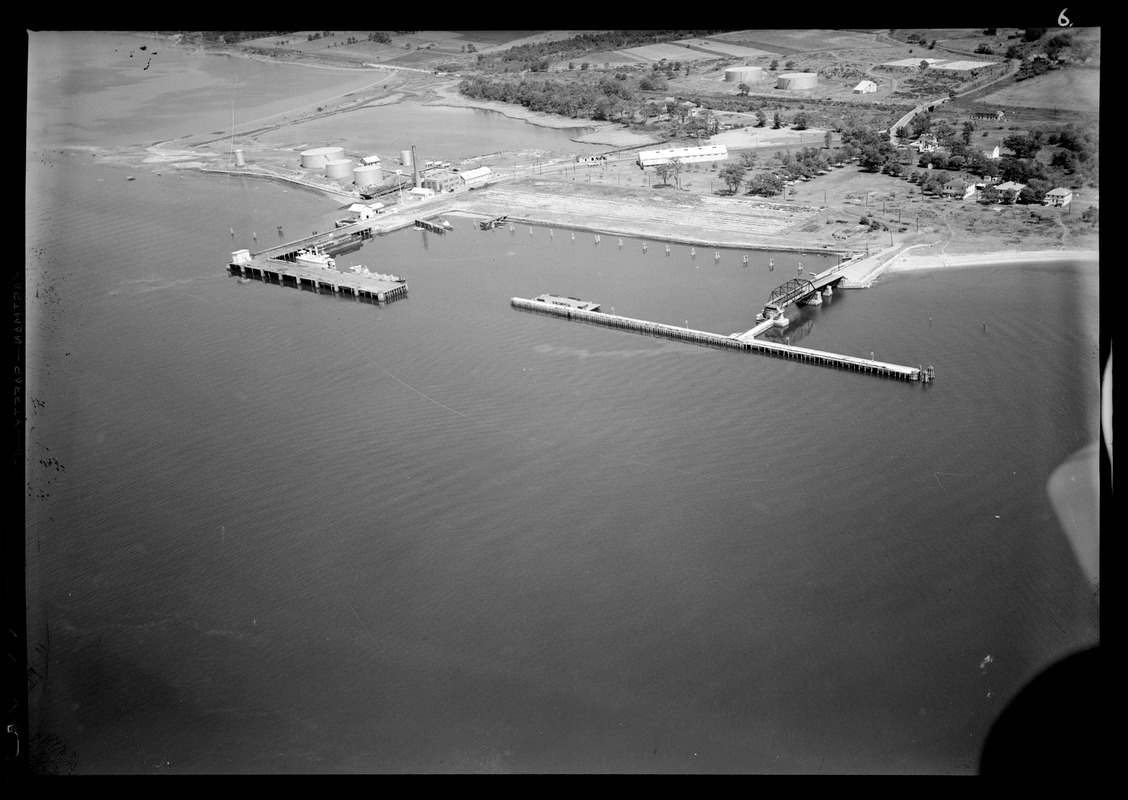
(415, 166)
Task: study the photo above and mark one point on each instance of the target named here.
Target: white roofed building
(472, 178)
(686, 155)
(362, 211)
(865, 87)
(1058, 197)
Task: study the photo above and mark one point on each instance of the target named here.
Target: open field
(723, 48)
(1066, 90)
(658, 52)
(787, 42)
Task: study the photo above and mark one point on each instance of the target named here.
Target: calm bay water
(292, 533)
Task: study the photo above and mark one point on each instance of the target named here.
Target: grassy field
(1066, 90)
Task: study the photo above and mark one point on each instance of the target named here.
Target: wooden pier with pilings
(745, 341)
(278, 270)
(426, 225)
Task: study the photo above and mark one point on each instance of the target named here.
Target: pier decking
(745, 341)
(277, 265)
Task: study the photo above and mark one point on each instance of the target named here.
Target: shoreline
(911, 263)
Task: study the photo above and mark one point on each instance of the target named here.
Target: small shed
(362, 211)
(865, 87)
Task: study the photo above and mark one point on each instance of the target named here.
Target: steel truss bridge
(798, 290)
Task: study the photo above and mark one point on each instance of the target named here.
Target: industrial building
(473, 178)
(796, 81)
(440, 182)
(685, 155)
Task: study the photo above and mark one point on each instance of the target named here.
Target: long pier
(745, 341)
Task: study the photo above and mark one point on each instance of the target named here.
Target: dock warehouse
(478, 176)
(686, 155)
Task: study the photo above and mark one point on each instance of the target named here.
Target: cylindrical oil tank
(339, 169)
(744, 74)
(797, 80)
(368, 175)
(405, 157)
(318, 156)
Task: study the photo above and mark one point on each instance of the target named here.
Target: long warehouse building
(686, 155)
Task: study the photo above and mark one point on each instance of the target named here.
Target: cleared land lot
(657, 52)
(1067, 90)
(666, 214)
(725, 48)
(786, 41)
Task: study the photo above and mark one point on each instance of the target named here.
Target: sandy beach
(914, 261)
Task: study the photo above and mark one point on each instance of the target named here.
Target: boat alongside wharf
(746, 341)
(280, 266)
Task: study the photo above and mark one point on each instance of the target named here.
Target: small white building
(370, 160)
(685, 155)
(865, 87)
(993, 153)
(1059, 198)
(421, 193)
(361, 211)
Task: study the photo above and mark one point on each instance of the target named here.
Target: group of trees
(787, 166)
(537, 57)
(607, 99)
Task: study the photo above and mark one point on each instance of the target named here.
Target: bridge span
(808, 291)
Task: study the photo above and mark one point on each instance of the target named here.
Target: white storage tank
(368, 175)
(744, 74)
(339, 169)
(318, 156)
(405, 158)
(797, 80)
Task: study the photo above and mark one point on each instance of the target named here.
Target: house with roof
(1009, 191)
(958, 188)
(1059, 198)
(926, 143)
(865, 87)
(992, 154)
